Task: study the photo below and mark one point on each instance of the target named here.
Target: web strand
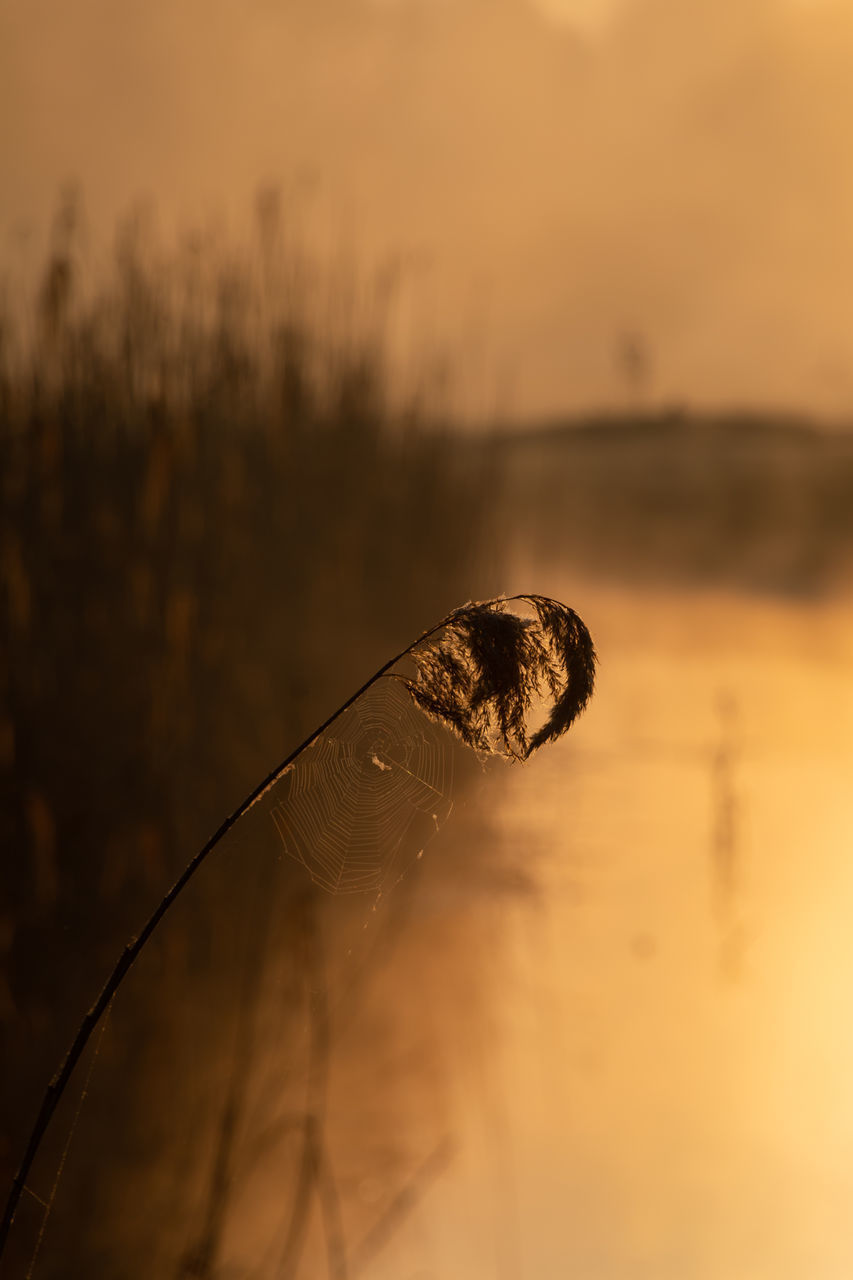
(379, 780)
(60, 1169)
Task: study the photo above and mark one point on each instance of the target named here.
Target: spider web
(377, 782)
(355, 809)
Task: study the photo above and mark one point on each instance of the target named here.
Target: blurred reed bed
(213, 519)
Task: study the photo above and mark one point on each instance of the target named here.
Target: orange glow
(678, 171)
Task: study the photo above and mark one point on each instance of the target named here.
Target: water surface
(669, 1093)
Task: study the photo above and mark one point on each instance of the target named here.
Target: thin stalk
(311, 1163)
(404, 1202)
(201, 1259)
(58, 1084)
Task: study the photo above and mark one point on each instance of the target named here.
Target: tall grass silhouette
(479, 671)
(214, 509)
(214, 506)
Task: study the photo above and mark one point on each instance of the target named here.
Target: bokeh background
(317, 320)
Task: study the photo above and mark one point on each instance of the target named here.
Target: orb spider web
(379, 779)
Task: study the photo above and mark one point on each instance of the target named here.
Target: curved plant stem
(59, 1082)
(57, 1086)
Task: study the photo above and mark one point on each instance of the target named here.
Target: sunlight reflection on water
(672, 1097)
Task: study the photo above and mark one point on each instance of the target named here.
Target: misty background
(552, 176)
(317, 320)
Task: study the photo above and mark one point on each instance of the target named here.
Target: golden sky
(557, 173)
